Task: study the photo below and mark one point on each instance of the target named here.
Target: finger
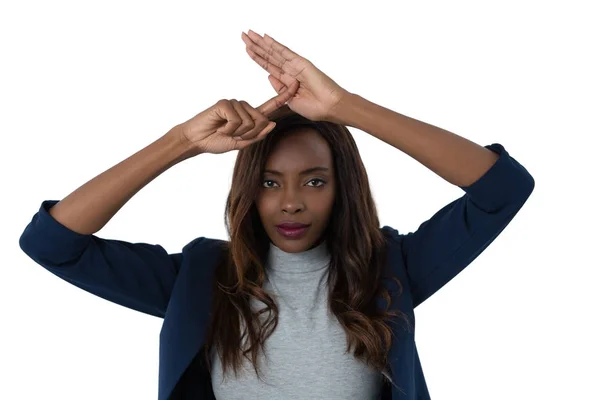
(247, 122)
(274, 58)
(263, 134)
(226, 112)
(285, 51)
(268, 42)
(286, 93)
(264, 63)
(276, 83)
(260, 122)
(285, 71)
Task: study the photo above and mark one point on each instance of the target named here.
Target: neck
(293, 265)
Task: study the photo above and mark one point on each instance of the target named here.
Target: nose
(292, 201)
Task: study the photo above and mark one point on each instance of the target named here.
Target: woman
(309, 298)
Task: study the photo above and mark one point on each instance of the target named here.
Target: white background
(85, 85)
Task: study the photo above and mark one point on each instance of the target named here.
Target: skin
(292, 196)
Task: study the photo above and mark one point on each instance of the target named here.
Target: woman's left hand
(317, 95)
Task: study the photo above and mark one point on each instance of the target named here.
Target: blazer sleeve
(139, 276)
(454, 236)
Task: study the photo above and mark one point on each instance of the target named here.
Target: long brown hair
(354, 240)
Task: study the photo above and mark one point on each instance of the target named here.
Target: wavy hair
(354, 239)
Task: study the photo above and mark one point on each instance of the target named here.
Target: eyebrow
(306, 171)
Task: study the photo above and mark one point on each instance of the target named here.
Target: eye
(318, 180)
(268, 180)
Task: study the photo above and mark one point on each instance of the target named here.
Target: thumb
(277, 84)
(245, 143)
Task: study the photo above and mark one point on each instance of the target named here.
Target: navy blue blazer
(176, 287)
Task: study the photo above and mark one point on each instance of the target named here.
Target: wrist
(341, 113)
(180, 144)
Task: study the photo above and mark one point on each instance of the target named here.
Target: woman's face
(291, 193)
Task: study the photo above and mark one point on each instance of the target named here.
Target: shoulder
(204, 244)
(391, 235)
(202, 255)
(394, 245)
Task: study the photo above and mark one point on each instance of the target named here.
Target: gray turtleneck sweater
(306, 354)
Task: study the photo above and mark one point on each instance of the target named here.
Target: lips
(292, 225)
(292, 230)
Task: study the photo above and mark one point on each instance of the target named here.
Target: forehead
(300, 149)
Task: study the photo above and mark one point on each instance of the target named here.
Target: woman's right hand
(231, 124)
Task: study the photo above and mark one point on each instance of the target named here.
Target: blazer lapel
(184, 327)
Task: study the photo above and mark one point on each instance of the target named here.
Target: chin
(294, 246)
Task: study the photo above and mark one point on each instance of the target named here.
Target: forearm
(91, 206)
(454, 158)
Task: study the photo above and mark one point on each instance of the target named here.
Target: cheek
(264, 205)
(324, 204)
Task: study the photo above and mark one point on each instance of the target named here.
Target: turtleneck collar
(292, 265)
